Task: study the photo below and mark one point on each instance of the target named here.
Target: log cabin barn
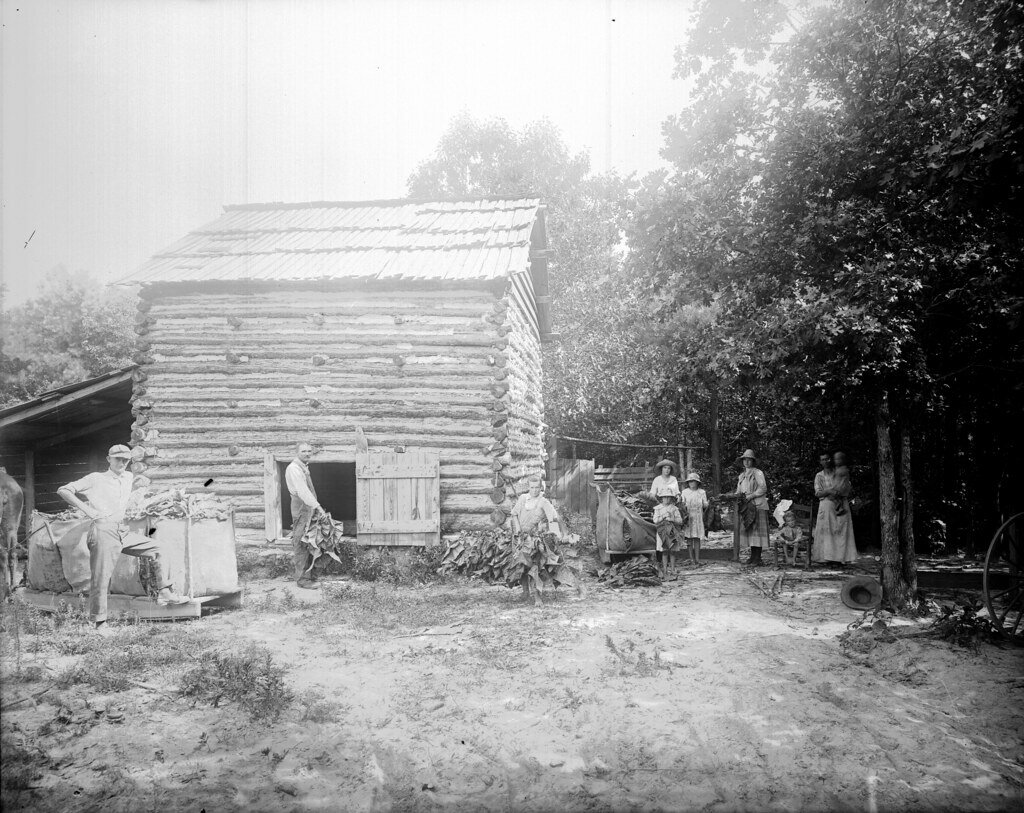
(410, 328)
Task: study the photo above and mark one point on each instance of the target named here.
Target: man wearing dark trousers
(304, 504)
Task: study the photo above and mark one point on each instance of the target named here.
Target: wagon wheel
(1003, 581)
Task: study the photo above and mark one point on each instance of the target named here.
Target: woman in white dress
(833, 533)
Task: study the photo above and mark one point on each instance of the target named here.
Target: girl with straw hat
(665, 484)
(695, 501)
(753, 514)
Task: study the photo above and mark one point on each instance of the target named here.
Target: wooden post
(29, 490)
(716, 443)
(689, 461)
(683, 470)
(736, 530)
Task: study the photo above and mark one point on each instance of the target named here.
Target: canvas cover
(620, 530)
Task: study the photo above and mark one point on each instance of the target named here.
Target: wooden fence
(572, 485)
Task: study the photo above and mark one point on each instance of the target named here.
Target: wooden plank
(399, 526)
(271, 497)
(136, 606)
(29, 491)
(378, 472)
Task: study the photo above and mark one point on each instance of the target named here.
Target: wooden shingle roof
(439, 240)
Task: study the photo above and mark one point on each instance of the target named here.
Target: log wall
(226, 376)
(525, 402)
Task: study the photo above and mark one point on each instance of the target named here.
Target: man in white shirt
(304, 503)
(106, 499)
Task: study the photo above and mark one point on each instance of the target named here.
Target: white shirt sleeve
(296, 481)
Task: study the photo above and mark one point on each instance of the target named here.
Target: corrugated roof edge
(527, 201)
(115, 376)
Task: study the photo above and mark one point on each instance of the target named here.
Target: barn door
(398, 498)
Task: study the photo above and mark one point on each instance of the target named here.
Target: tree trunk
(716, 456)
(908, 557)
(897, 592)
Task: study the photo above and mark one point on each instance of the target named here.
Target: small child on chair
(669, 522)
(790, 534)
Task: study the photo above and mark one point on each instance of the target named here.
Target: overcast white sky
(126, 124)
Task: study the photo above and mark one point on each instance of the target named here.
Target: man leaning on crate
(106, 500)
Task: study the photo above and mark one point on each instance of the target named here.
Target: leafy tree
(73, 329)
(596, 372)
(848, 213)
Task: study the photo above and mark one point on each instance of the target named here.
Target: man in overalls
(304, 504)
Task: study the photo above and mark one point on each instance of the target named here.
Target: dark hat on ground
(666, 462)
(862, 593)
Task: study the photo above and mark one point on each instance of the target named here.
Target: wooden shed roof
(429, 240)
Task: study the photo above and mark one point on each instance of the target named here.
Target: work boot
(306, 584)
(755, 556)
(165, 597)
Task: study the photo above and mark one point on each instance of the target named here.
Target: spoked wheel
(1004, 578)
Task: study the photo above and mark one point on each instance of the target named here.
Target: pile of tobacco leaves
(499, 556)
(639, 504)
(174, 503)
(634, 572)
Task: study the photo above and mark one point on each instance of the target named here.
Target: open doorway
(335, 486)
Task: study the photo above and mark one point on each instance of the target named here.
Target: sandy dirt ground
(703, 694)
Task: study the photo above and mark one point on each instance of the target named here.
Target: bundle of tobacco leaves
(67, 515)
(638, 503)
(174, 503)
(634, 572)
(323, 535)
(499, 556)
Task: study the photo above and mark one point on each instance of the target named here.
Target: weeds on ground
(272, 603)
(23, 768)
(256, 563)
(248, 677)
(580, 526)
(634, 661)
(115, 664)
(316, 708)
(387, 607)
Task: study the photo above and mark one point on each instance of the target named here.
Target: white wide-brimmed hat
(692, 476)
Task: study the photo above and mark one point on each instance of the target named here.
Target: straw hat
(862, 593)
(666, 462)
(693, 476)
(749, 453)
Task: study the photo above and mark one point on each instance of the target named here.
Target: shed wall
(227, 376)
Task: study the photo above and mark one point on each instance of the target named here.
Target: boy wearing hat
(669, 522)
(106, 499)
(695, 502)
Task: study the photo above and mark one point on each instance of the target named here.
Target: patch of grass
(32, 673)
(248, 677)
(23, 768)
(137, 652)
(388, 607)
(316, 708)
(258, 563)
